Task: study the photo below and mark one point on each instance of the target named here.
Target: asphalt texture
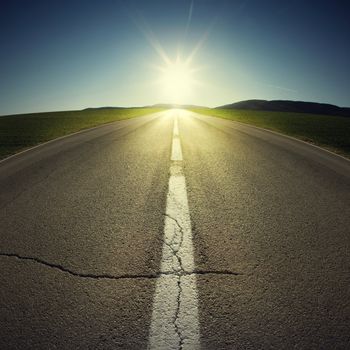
(82, 224)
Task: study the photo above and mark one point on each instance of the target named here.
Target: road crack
(197, 272)
(177, 314)
(175, 248)
(80, 274)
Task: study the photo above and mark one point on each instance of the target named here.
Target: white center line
(176, 153)
(175, 322)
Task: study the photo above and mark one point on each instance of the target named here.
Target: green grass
(330, 132)
(18, 132)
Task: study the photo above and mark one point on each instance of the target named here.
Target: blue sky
(66, 55)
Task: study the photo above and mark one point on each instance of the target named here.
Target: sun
(177, 81)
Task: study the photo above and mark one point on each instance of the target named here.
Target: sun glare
(177, 81)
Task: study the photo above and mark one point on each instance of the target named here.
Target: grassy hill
(289, 106)
(328, 131)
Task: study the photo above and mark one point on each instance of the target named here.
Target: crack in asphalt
(177, 313)
(179, 273)
(175, 250)
(173, 247)
(121, 276)
(78, 274)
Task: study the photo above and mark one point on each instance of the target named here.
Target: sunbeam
(177, 80)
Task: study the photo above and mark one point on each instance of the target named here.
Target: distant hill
(98, 108)
(158, 105)
(169, 105)
(290, 106)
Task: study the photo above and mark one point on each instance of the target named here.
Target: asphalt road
(83, 221)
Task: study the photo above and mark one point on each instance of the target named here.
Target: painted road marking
(176, 152)
(175, 322)
(176, 128)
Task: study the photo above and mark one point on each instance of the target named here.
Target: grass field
(330, 132)
(18, 132)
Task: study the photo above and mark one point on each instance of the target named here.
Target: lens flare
(177, 81)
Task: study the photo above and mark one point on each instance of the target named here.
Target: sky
(68, 55)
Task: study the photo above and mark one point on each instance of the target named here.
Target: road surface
(175, 231)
